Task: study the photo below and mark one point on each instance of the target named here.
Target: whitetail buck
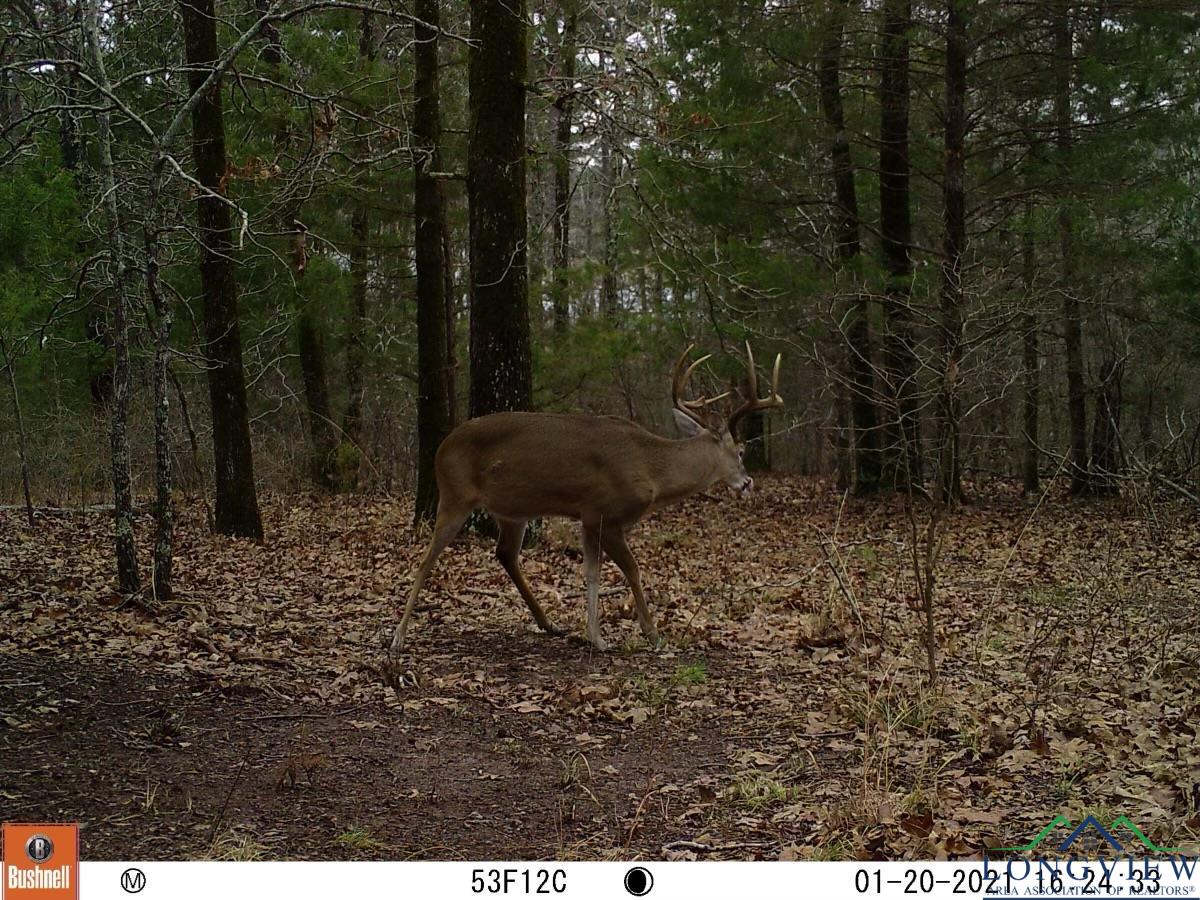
(604, 471)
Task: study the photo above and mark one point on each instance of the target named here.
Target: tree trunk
(1072, 318)
(954, 245)
(360, 233)
(272, 51)
(22, 444)
(128, 577)
(1107, 462)
(61, 20)
(610, 176)
(1029, 359)
(433, 398)
(842, 448)
(310, 341)
(451, 315)
(859, 354)
(236, 501)
(164, 507)
(903, 452)
(356, 339)
(564, 105)
(501, 363)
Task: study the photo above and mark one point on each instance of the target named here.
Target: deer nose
(748, 487)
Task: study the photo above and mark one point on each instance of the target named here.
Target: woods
(921, 284)
(263, 257)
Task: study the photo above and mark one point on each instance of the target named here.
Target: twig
(228, 795)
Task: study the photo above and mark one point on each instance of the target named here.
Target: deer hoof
(396, 647)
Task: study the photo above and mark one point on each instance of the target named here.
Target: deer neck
(689, 466)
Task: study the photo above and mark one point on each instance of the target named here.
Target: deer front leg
(618, 550)
(591, 575)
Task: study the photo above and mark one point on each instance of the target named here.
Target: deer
(606, 472)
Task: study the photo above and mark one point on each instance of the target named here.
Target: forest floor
(787, 716)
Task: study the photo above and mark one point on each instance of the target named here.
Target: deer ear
(685, 423)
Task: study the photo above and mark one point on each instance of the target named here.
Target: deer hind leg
(618, 550)
(450, 519)
(591, 574)
(508, 551)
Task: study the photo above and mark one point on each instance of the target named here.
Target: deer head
(696, 418)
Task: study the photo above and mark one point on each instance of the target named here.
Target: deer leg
(449, 521)
(508, 551)
(618, 550)
(591, 574)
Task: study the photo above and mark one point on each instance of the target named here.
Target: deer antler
(679, 379)
(753, 402)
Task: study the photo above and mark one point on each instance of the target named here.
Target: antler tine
(680, 377)
(692, 368)
(677, 374)
(753, 402)
(705, 401)
(752, 372)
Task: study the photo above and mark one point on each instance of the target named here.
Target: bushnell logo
(41, 861)
(39, 848)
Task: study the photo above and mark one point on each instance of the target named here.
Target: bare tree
(564, 106)
(1072, 316)
(128, 578)
(501, 363)
(434, 416)
(859, 351)
(954, 215)
(236, 499)
(903, 451)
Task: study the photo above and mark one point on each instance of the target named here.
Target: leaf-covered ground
(787, 716)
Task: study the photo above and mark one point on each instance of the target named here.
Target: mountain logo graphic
(1089, 826)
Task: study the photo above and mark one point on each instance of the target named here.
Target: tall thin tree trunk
(1107, 461)
(1072, 316)
(433, 396)
(611, 167)
(22, 443)
(858, 351)
(164, 507)
(904, 456)
(564, 106)
(954, 245)
(451, 314)
(1029, 360)
(61, 19)
(128, 577)
(501, 362)
(236, 499)
(842, 445)
(360, 233)
(356, 338)
(310, 340)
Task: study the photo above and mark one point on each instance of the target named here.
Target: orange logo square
(41, 862)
